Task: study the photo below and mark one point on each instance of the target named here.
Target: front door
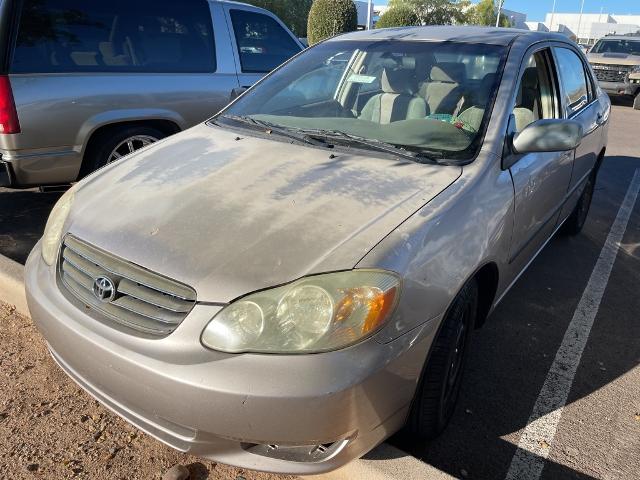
(540, 180)
(261, 43)
(581, 105)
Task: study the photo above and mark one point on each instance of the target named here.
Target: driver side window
(535, 94)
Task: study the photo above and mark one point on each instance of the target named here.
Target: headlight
(53, 231)
(314, 314)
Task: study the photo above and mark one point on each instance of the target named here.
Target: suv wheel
(438, 389)
(113, 144)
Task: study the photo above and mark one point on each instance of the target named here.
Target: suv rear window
(164, 36)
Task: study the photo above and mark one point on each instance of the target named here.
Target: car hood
(614, 58)
(228, 213)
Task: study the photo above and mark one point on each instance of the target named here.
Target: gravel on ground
(52, 429)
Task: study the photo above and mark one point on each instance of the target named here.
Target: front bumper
(620, 88)
(221, 406)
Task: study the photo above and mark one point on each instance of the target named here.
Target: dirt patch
(52, 429)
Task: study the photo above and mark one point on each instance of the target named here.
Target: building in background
(535, 26)
(517, 19)
(588, 28)
(362, 6)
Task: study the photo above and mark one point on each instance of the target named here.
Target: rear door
(260, 40)
(540, 179)
(581, 104)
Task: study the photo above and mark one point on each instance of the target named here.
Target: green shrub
(401, 16)
(331, 17)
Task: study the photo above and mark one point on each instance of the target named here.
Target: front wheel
(438, 389)
(574, 224)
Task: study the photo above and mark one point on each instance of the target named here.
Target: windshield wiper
(372, 143)
(273, 128)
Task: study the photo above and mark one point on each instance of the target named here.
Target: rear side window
(574, 81)
(164, 36)
(262, 43)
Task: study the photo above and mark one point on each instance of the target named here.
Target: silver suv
(83, 83)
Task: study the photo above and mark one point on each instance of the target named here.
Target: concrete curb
(383, 463)
(12, 285)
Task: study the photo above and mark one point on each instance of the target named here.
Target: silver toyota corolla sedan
(285, 286)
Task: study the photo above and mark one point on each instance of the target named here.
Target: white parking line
(537, 438)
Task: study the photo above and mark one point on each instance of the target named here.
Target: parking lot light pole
(579, 22)
(500, 3)
(369, 7)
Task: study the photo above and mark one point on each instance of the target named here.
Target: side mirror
(550, 135)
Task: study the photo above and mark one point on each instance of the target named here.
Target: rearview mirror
(549, 135)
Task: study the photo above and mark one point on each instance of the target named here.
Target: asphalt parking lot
(598, 430)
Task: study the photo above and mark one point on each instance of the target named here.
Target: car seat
(397, 102)
(444, 93)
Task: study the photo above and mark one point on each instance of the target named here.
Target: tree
(435, 12)
(399, 16)
(331, 17)
(293, 13)
(484, 13)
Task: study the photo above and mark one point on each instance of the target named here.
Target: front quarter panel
(441, 246)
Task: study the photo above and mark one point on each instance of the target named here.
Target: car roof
(465, 34)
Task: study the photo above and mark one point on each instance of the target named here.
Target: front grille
(140, 299)
(611, 73)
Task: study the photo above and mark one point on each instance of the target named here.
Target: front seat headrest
(448, 72)
(396, 81)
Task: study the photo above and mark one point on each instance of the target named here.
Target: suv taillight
(8, 115)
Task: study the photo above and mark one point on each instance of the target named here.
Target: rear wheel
(113, 144)
(636, 101)
(438, 389)
(574, 224)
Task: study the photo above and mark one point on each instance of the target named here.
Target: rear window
(114, 36)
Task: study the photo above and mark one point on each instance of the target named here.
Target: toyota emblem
(104, 289)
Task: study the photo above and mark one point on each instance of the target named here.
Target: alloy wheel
(130, 145)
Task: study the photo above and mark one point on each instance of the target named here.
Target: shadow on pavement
(623, 101)
(511, 355)
(23, 215)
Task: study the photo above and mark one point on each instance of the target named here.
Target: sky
(536, 9)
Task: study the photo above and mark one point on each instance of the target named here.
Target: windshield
(628, 47)
(419, 96)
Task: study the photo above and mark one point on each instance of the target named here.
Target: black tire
(636, 101)
(574, 224)
(439, 386)
(103, 145)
